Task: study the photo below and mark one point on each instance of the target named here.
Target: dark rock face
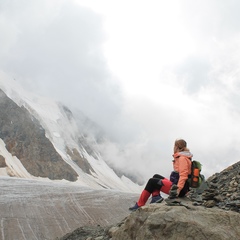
(2, 162)
(25, 138)
(79, 160)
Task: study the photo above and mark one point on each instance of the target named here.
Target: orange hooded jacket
(182, 164)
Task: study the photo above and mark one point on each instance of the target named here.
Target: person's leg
(165, 188)
(156, 197)
(158, 176)
(141, 201)
(152, 185)
(166, 185)
(155, 193)
(143, 198)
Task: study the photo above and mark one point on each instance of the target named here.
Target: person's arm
(183, 173)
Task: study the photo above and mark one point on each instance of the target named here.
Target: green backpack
(196, 178)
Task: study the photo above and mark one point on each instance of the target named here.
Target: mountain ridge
(17, 125)
(57, 127)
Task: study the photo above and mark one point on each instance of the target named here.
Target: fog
(146, 73)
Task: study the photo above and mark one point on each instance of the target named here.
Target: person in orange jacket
(177, 185)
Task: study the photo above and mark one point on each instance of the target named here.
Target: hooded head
(180, 146)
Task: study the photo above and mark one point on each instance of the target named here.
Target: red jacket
(182, 164)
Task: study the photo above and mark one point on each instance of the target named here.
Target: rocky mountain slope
(215, 215)
(42, 138)
(25, 138)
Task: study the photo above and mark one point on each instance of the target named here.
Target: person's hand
(178, 191)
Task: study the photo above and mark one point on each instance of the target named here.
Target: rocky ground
(89, 233)
(224, 189)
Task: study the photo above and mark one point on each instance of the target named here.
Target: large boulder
(159, 221)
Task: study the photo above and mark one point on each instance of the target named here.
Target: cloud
(56, 49)
(207, 19)
(146, 78)
(193, 73)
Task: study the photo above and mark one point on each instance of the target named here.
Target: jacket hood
(185, 153)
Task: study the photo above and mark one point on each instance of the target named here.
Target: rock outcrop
(177, 222)
(25, 138)
(160, 221)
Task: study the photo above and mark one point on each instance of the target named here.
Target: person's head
(180, 146)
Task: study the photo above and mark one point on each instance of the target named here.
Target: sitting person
(178, 184)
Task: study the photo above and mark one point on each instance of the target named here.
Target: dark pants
(185, 190)
(174, 177)
(154, 183)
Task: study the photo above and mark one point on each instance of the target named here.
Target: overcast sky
(147, 72)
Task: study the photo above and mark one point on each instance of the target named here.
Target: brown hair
(180, 146)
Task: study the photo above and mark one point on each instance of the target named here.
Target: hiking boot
(157, 199)
(134, 208)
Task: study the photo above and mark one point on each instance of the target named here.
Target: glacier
(33, 209)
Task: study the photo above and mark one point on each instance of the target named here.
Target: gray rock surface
(224, 189)
(160, 221)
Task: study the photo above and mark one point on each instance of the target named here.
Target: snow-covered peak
(69, 141)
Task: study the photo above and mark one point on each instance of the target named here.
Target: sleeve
(183, 172)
